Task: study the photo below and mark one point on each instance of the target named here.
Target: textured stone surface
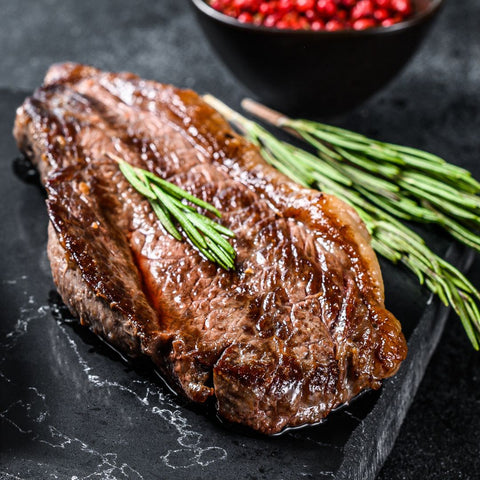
(434, 105)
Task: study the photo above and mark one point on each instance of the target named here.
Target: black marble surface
(434, 104)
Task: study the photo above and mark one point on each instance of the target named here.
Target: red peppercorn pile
(317, 14)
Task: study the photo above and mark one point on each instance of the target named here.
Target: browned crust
(89, 308)
(81, 216)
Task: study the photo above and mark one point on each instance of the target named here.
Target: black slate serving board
(71, 408)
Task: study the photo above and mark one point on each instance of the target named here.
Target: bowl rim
(417, 18)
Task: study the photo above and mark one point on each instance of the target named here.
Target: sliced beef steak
(298, 328)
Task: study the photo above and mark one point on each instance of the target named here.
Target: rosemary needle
(426, 188)
(168, 202)
(379, 203)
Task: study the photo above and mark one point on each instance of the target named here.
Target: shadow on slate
(66, 403)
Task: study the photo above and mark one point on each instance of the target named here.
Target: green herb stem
(168, 203)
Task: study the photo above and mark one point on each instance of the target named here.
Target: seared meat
(298, 328)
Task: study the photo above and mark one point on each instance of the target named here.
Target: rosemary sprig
(406, 182)
(168, 203)
(390, 238)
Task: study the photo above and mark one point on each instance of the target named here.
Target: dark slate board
(71, 408)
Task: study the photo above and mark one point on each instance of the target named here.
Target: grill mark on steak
(299, 328)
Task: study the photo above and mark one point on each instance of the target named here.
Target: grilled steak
(297, 329)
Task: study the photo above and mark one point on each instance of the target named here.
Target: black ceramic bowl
(315, 72)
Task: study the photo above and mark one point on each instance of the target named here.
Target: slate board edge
(373, 440)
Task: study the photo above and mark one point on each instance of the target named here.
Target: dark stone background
(438, 92)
